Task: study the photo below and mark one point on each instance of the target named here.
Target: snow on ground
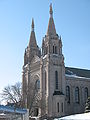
(84, 116)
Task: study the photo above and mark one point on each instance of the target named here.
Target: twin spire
(51, 26)
(32, 41)
(50, 31)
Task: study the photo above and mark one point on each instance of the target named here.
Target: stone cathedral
(62, 90)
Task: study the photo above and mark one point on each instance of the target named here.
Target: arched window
(77, 95)
(68, 94)
(86, 93)
(55, 49)
(56, 79)
(37, 85)
(45, 82)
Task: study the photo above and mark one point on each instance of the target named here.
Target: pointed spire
(32, 26)
(51, 26)
(32, 41)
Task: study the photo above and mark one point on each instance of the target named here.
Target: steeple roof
(32, 41)
(51, 26)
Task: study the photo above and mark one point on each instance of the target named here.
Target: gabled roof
(77, 71)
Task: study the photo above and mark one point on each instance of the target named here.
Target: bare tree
(33, 96)
(35, 99)
(12, 94)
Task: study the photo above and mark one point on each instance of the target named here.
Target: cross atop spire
(51, 11)
(32, 26)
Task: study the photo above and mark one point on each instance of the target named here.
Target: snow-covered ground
(84, 116)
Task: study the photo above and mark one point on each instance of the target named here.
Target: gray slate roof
(77, 71)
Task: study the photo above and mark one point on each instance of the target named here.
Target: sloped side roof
(77, 72)
(9, 109)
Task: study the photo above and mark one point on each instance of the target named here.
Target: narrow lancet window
(77, 95)
(58, 107)
(62, 106)
(55, 49)
(45, 82)
(86, 93)
(68, 94)
(56, 79)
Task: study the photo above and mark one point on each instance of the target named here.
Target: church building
(57, 89)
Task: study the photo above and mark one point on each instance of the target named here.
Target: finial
(60, 37)
(43, 41)
(25, 52)
(32, 26)
(51, 11)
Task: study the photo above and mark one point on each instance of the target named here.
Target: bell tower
(48, 69)
(32, 48)
(53, 65)
(31, 51)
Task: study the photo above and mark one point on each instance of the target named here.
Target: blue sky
(72, 22)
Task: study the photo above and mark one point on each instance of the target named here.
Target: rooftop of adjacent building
(77, 72)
